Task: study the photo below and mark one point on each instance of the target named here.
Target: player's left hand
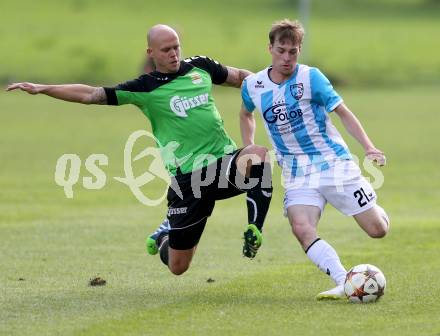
(377, 156)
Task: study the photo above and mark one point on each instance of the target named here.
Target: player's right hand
(27, 87)
(377, 157)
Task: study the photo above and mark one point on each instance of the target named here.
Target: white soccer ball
(364, 283)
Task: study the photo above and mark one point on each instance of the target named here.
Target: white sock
(325, 257)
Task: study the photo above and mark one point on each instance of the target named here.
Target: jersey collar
(295, 72)
(160, 76)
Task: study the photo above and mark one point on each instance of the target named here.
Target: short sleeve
(124, 93)
(217, 71)
(322, 91)
(247, 101)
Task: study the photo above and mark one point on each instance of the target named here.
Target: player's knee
(301, 229)
(377, 234)
(379, 230)
(178, 268)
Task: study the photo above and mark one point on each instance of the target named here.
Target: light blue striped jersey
(295, 115)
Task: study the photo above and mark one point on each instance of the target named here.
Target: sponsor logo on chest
(180, 105)
(281, 113)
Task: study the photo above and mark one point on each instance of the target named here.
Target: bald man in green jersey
(206, 165)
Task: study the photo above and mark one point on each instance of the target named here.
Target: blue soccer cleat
(153, 240)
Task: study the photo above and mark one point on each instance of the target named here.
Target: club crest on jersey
(297, 90)
(196, 78)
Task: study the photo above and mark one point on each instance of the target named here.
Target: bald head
(164, 48)
(160, 32)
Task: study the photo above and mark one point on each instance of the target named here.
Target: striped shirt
(295, 115)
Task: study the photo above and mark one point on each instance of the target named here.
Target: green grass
(56, 244)
(389, 47)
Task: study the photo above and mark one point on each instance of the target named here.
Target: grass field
(56, 245)
(383, 56)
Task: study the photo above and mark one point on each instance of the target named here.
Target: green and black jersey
(182, 112)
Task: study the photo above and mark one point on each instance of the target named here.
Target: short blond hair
(286, 30)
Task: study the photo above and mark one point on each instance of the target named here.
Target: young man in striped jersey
(295, 101)
(203, 161)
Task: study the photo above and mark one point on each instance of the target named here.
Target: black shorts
(190, 203)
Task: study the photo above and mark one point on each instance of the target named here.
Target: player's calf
(304, 219)
(253, 163)
(304, 233)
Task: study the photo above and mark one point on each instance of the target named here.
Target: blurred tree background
(355, 42)
(383, 57)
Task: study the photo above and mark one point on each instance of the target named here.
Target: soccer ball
(364, 283)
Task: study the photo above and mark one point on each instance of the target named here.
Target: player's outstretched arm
(236, 76)
(247, 126)
(354, 127)
(77, 93)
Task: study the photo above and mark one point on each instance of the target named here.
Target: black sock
(259, 197)
(163, 249)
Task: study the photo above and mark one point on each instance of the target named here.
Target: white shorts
(342, 185)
